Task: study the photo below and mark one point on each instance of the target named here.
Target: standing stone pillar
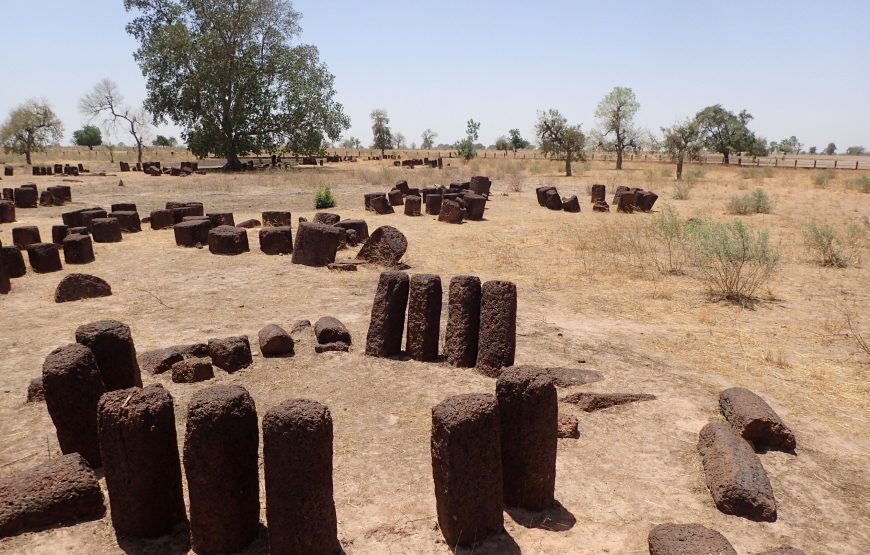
(112, 344)
(424, 317)
(297, 461)
(140, 459)
(498, 327)
(220, 463)
(466, 468)
(463, 321)
(388, 315)
(529, 413)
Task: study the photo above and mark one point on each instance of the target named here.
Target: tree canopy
(558, 138)
(682, 140)
(615, 114)
(830, 150)
(428, 137)
(29, 128)
(382, 136)
(516, 140)
(231, 76)
(465, 148)
(725, 132)
(88, 136)
(105, 99)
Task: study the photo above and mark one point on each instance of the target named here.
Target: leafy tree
(516, 140)
(813, 150)
(30, 128)
(428, 137)
(502, 143)
(855, 151)
(465, 148)
(682, 140)
(383, 137)
(88, 136)
(615, 114)
(830, 150)
(789, 146)
(558, 138)
(106, 99)
(399, 139)
(351, 142)
(230, 75)
(725, 132)
(160, 140)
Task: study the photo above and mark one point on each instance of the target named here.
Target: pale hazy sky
(802, 68)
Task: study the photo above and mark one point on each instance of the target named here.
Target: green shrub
(756, 202)
(671, 237)
(323, 198)
(734, 261)
(832, 248)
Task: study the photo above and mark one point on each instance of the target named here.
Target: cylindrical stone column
(529, 413)
(112, 344)
(498, 327)
(463, 321)
(466, 468)
(388, 315)
(424, 317)
(220, 462)
(140, 460)
(72, 387)
(297, 461)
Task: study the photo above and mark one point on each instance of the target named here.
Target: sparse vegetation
(860, 184)
(682, 190)
(823, 179)
(672, 234)
(838, 249)
(756, 202)
(323, 198)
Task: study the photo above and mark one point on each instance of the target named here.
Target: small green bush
(756, 202)
(832, 248)
(323, 198)
(671, 237)
(733, 260)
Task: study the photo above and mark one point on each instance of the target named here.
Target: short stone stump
(228, 240)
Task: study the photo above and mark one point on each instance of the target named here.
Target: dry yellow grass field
(586, 299)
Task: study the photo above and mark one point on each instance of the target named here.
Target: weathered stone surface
(25, 197)
(755, 420)
(463, 321)
(5, 283)
(552, 200)
(221, 218)
(228, 240)
(385, 246)
(91, 214)
(13, 262)
(124, 207)
(387, 323)
(335, 346)
(327, 218)
(249, 224)
(474, 206)
(624, 201)
(466, 468)
(480, 184)
(424, 317)
(402, 186)
(25, 235)
(44, 258)
(74, 287)
(72, 386)
(395, 197)
(182, 209)
(687, 539)
(161, 219)
(571, 204)
(734, 475)
(529, 413)
(7, 211)
(220, 463)
(433, 203)
(78, 249)
(644, 200)
(316, 244)
(128, 220)
(598, 193)
(590, 402)
(230, 353)
(275, 342)
(190, 233)
(360, 226)
(58, 492)
(381, 205)
(601, 206)
(451, 212)
(140, 460)
(541, 193)
(191, 370)
(498, 327)
(367, 197)
(297, 461)
(158, 361)
(346, 265)
(412, 205)
(106, 230)
(35, 391)
(330, 330)
(567, 427)
(112, 344)
(276, 240)
(58, 234)
(277, 218)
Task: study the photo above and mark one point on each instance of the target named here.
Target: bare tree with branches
(106, 99)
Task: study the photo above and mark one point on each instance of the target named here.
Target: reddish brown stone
(91, 214)
(541, 193)
(276, 240)
(335, 346)
(191, 233)
(451, 212)
(228, 240)
(387, 323)
(424, 317)
(528, 412)
(385, 246)
(275, 342)
(220, 463)
(277, 218)
(140, 460)
(463, 321)
(687, 539)
(158, 361)
(297, 461)
(123, 207)
(72, 385)
(25, 197)
(44, 258)
(58, 234)
(327, 218)
(381, 205)
(35, 391)
(598, 193)
(480, 184)
(59, 492)
(360, 226)
(106, 230)
(754, 420)
(316, 244)
(230, 353)
(367, 197)
(474, 206)
(7, 211)
(567, 427)
(330, 330)
(221, 218)
(498, 327)
(734, 475)
(590, 402)
(161, 219)
(192, 370)
(78, 249)
(466, 468)
(128, 220)
(13, 262)
(571, 204)
(25, 235)
(412, 205)
(112, 345)
(601, 206)
(75, 287)
(433, 203)
(395, 197)
(552, 200)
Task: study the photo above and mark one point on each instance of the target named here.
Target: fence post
(775, 162)
(856, 164)
(814, 164)
(835, 164)
(795, 162)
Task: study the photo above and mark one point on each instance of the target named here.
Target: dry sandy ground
(633, 467)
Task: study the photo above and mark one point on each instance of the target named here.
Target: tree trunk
(139, 151)
(679, 169)
(27, 157)
(618, 158)
(726, 159)
(568, 172)
(382, 154)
